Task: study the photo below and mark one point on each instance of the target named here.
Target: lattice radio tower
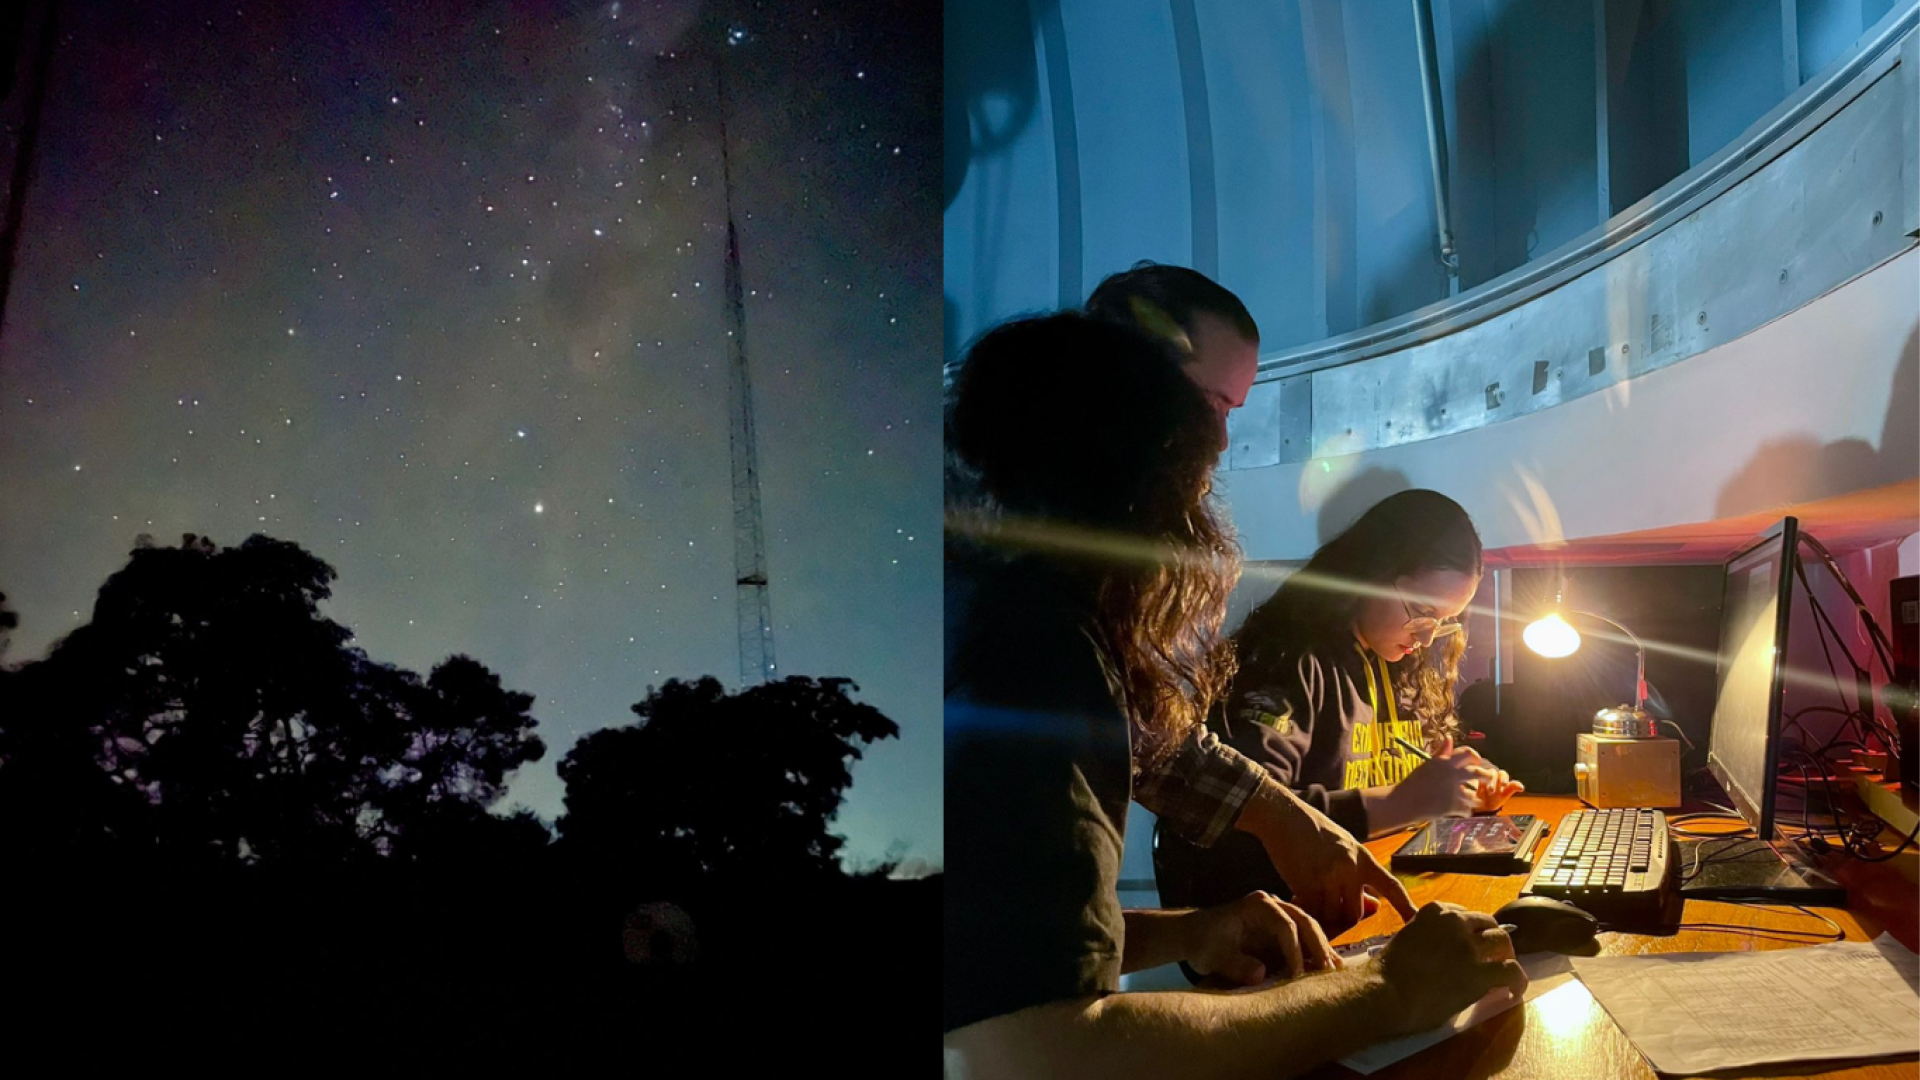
(752, 614)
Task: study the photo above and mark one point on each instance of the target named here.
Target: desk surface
(1573, 1036)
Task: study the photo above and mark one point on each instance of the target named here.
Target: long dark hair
(1095, 453)
(1404, 534)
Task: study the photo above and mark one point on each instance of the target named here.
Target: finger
(1275, 928)
(1461, 762)
(1351, 909)
(1507, 973)
(1387, 887)
(1496, 944)
(1445, 748)
(1478, 921)
(1464, 798)
(1315, 952)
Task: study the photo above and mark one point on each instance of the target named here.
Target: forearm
(1271, 809)
(1284, 1031)
(1388, 811)
(1153, 938)
(1274, 811)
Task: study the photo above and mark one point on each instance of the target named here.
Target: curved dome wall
(1630, 191)
(1821, 402)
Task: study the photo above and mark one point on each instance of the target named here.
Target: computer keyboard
(1612, 863)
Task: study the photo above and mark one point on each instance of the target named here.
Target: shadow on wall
(949, 332)
(1355, 497)
(991, 86)
(991, 82)
(1799, 469)
(1341, 508)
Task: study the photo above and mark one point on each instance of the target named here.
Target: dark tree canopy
(715, 783)
(8, 621)
(208, 711)
(210, 778)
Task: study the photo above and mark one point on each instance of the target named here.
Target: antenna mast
(752, 613)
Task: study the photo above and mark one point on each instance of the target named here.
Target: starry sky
(435, 291)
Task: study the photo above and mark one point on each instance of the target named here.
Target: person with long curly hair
(1346, 677)
(1085, 599)
(1200, 790)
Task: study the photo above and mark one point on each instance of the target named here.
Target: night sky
(435, 290)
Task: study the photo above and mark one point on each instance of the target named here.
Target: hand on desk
(1256, 938)
(1446, 959)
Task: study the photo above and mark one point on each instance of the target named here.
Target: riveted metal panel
(1820, 214)
(1253, 430)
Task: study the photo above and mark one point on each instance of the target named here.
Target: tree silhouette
(711, 783)
(209, 777)
(8, 621)
(231, 721)
(465, 734)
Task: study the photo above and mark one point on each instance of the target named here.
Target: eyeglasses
(1425, 628)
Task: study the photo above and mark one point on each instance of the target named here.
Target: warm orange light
(1551, 637)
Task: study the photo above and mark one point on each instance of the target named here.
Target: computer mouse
(1543, 924)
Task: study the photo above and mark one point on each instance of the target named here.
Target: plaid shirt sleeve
(1200, 789)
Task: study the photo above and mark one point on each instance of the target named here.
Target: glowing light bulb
(1552, 637)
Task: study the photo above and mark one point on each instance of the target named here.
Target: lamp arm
(1640, 656)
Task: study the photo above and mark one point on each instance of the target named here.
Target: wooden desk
(1572, 1036)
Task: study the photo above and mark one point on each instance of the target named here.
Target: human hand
(1491, 795)
(1446, 959)
(1255, 938)
(1445, 785)
(1329, 871)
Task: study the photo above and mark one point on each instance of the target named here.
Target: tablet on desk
(1472, 845)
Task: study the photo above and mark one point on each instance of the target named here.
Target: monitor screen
(1746, 710)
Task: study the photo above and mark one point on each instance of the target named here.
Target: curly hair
(1093, 450)
(1425, 683)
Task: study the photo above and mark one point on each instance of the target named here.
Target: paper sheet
(1695, 1012)
(1545, 972)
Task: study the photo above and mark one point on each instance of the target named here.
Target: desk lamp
(1624, 761)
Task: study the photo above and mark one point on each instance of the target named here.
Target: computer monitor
(1743, 746)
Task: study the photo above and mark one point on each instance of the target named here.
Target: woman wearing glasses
(1345, 694)
(1347, 673)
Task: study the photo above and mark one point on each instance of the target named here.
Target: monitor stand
(1778, 872)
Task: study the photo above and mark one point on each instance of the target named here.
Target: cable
(1874, 633)
(1863, 674)
(1864, 712)
(1859, 836)
(1883, 857)
(1673, 824)
(1839, 932)
(1683, 735)
(1718, 856)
